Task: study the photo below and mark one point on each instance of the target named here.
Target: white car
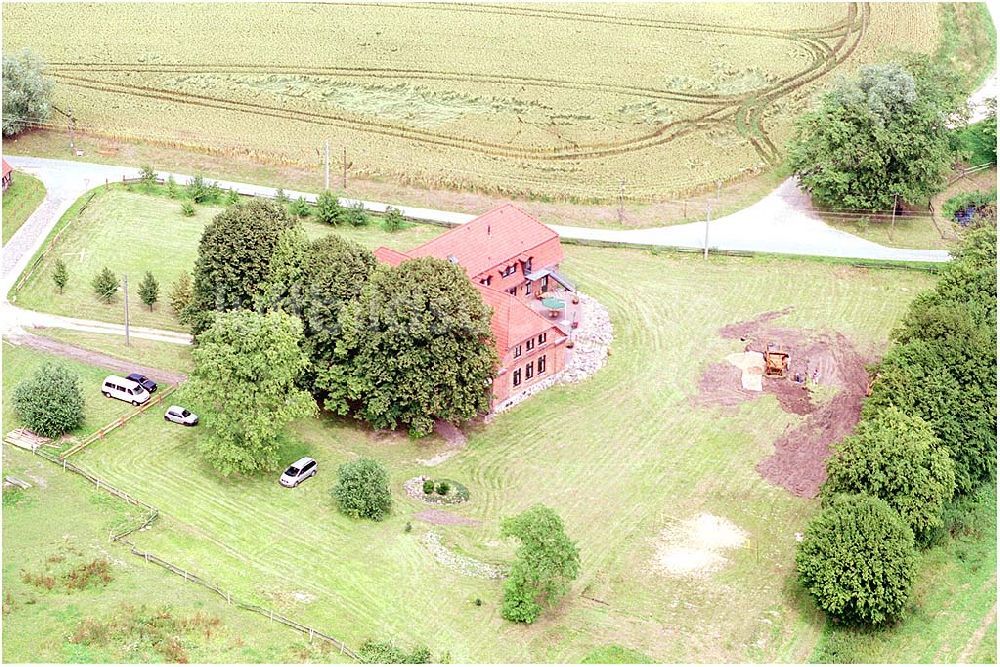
(298, 472)
(179, 415)
(124, 390)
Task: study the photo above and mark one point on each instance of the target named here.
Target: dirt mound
(823, 358)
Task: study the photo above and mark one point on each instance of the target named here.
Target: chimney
(489, 231)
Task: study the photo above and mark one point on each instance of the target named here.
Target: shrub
(171, 187)
(443, 488)
(84, 575)
(147, 175)
(105, 285)
(392, 221)
(299, 208)
(356, 215)
(60, 275)
(428, 486)
(387, 653)
(50, 402)
(362, 490)
(328, 209)
(280, 196)
(187, 209)
(232, 197)
(201, 191)
(408, 527)
(858, 560)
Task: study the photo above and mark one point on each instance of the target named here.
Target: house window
(527, 288)
(541, 364)
(529, 370)
(517, 377)
(545, 283)
(510, 270)
(486, 281)
(529, 344)
(541, 338)
(513, 291)
(527, 265)
(517, 351)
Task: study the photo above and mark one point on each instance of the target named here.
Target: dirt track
(799, 460)
(94, 358)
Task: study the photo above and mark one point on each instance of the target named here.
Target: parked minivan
(124, 390)
(298, 472)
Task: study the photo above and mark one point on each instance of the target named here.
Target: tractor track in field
(744, 111)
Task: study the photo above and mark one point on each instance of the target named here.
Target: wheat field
(554, 101)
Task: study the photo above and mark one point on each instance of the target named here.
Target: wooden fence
(100, 433)
(151, 516)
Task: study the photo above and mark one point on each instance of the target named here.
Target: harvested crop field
(816, 358)
(505, 99)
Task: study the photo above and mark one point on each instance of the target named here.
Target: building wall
(554, 351)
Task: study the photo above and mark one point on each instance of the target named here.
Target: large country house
(513, 259)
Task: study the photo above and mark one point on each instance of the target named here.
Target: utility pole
(708, 218)
(127, 343)
(326, 163)
(343, 182)
(892, 225)
(621, 201)
(72, 131)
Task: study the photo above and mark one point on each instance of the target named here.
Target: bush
(328, 209)
(858, 560)
(50, 402)
(392, 221)
(443, 488)
(180, 293)
(428, 486)
(362, 490)
(299, 208)
(232, 197)
(356, 215)
(147, 175)
(387, 653)
(201, 191)
(280, 196)
(172, 187)
(187, 209)
(60, 275)
(105, 285)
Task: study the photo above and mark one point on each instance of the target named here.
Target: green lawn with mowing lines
(620, 457)
(62, 522)
(20, 201)
(132, 232)
(20, 362)
(152, 353)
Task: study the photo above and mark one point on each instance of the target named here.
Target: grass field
(20, 201)
(683, 95)
(621, 457)
(151, 353)
(134, 232)
(63, 522)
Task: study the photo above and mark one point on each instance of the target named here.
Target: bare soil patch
(696, 547)
(799, 460)
(442, 518)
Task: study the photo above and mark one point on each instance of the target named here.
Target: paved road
(977, 101)
(782, 222)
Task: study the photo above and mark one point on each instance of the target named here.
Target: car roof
(175, 408)
(119, 379)
(301, 462)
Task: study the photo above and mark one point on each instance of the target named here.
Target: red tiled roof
(495, 238)
(512, 320)
(390, 256)
(6, 169)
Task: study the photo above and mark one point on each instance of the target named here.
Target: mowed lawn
(620, 457)
(20, 201)
(131, 232)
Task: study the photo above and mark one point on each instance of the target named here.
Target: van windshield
(292, 471)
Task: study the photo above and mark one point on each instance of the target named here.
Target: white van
(124, 390)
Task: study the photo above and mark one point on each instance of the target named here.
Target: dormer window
(527, 265)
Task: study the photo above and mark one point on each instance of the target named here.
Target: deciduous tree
(895, 457)
(547, 562)
(27, 93)
(180, 294)
(414, 347)
(50, 402)
(246, 369)
(857, 559)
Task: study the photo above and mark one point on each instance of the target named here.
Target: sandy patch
(696, 547)
(751, 365)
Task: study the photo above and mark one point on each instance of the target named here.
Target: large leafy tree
(246, 369)
(857, 558)
(879, 135)
(234, 259)
(50, 402)
(26, 93)
(414, 347)
(284, 270)
(547, 562)
(895, 457)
